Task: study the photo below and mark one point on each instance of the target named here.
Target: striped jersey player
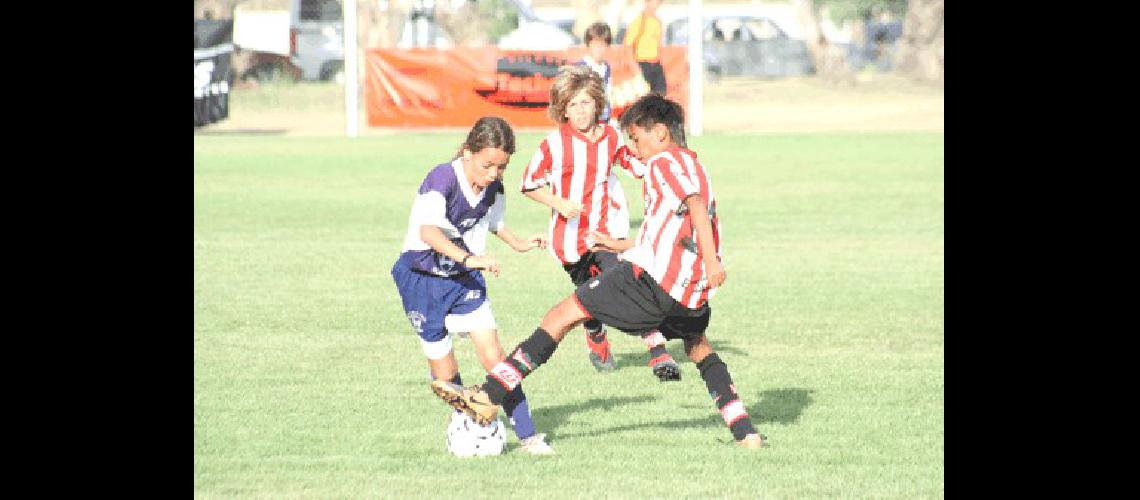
(576, 161)
(666, 246)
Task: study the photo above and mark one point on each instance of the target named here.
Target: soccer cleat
(600, 355)
(536, 445)
(665, 368)
(473, 401)
(754, 441)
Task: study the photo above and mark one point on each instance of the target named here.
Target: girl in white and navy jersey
(439, 273)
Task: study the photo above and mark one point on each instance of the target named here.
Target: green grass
(296, 97)
(309, 382)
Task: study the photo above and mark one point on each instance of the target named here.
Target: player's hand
(569, 209)
(537, 240)
(484, 262)
(602, 242)
(716, 274)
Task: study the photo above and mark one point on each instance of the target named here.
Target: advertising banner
(455, 87)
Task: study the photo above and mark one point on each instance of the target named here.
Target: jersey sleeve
(535, 175)
(628, 161)
(495, 214)
(673, 178)
(430, 209)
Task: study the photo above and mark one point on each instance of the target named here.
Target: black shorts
(590, 265)
(631, 301)
(654, 75)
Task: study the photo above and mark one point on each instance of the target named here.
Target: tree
(921, 52)
(846, 10)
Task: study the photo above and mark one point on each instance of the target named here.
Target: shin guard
(524, 359)
(723, 392)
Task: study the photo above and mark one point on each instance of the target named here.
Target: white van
(316, 39)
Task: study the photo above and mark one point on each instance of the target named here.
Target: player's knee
(437, 350)
(697, 348)
(487, 347)
(564, 316)
(444, 368)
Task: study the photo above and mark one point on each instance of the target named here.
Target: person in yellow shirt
(644, 35)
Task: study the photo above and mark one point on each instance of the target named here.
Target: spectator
(644, 35)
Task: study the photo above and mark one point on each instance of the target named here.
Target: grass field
(309, 382)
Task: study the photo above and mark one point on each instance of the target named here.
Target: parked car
(316, 39)
(745, 45)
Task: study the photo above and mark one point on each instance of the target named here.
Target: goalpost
(351, 106)
(696, 67)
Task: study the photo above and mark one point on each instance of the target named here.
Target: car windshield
(320, 10)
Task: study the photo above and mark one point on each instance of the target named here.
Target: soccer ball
(466, 438)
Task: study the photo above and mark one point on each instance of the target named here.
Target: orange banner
(455, 87)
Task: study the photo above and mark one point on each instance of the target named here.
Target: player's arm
(520, 245)
(606, 243)
(434, 237)
(628, 161)
(698, 213)
(498, 225)
(534, 179)
(566, 208)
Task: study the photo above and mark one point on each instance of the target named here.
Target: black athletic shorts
(627, 298)
(654, 75)
(590, 265)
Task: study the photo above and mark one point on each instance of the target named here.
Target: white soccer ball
(466, 438)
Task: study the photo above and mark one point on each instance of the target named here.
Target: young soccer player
(644, 35)
(439, 273)
(575, 161)
(664, 283)
(597, 39)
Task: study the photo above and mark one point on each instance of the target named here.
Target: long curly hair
(570, 81)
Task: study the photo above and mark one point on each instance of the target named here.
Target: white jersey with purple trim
(446, 200)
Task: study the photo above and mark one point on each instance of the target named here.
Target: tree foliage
(854, 10)
(501, 17)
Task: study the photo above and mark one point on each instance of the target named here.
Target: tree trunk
(808, 15)
(921, 52)
(830, 60)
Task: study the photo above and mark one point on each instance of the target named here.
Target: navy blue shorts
(429, 299)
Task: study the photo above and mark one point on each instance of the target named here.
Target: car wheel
(712, 73)
(268, 72)
(333, 71)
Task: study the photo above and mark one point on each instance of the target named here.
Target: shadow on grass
(549, 418)
(780, 406)
(783, 406)
(632, 352)
(724, 346)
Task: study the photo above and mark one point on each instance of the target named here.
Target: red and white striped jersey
(577, 169)
(667, 246)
